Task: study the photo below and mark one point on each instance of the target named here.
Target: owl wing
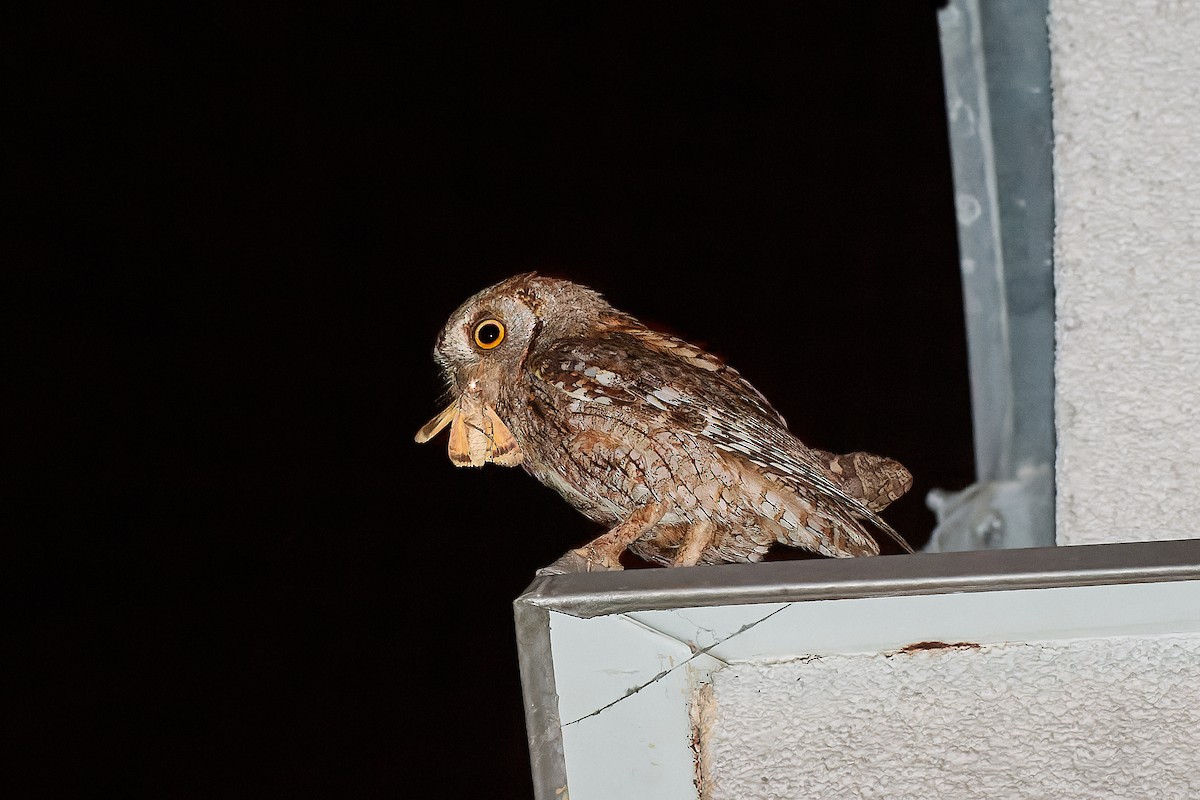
(673, 347)
(701, 396)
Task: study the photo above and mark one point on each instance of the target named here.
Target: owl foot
(582, 560)
(604, 552)
(697, 540)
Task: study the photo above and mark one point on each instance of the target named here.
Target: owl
(675, 453)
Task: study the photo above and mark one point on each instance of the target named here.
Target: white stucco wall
(1126, 83)
(1077, 719)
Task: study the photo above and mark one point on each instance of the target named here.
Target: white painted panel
(596, 661)
(781, 631)
(623, 708)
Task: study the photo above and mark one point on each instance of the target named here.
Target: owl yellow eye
(489, 333)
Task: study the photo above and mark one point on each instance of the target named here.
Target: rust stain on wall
(917, 647)
(702, 713)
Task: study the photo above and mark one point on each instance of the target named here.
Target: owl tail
(804, 516)
(867, 480)
(876, 480)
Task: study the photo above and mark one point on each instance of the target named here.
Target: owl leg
(604, 552)
(695, 541)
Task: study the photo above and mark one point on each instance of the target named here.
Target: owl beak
(434, 426)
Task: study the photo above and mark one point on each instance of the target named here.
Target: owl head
(489, 336)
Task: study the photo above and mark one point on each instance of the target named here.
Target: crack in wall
(696, 654)
(688, 643)
(710, 631)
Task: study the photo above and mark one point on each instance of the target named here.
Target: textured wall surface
(1126, 82)
(1083, 719)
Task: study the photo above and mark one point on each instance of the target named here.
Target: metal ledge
(595, 594)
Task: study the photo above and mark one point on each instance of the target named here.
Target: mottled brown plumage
(673, 450)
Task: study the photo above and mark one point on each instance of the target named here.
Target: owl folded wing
(634, 373)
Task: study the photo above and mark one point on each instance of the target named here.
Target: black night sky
(240, 228)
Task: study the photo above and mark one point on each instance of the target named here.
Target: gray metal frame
(600, 594)
(996, 68)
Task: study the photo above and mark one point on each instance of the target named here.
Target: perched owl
(679, 456)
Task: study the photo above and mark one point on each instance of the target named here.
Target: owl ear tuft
(531, 300)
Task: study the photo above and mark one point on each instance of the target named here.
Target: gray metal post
(996, 64)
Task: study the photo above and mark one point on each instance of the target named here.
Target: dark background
(242, 228)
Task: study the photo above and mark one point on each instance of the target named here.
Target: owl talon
(584, 559)
(569, 562)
